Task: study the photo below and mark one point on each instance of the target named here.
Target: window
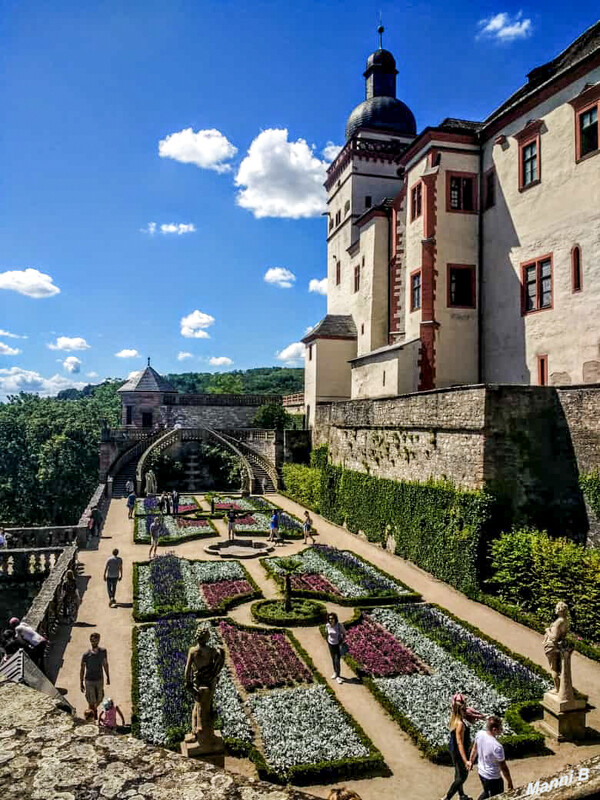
(383, 382)
(415, 290)
(368, 201)
(362, 329)
(128, 415)
(310, 347)
(461, 192)
(489, 189)
(542, 362)
(357, 277)
(529, 164)
(338, 273)
(146, 419)
(330, 223)
(416, 201)
(346, 207)
(338, 217)
(537, 285)
(588, 131)
(461, 286)
(576, 282)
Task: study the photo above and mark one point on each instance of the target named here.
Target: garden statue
(204, 663)
(558, 652)
(151, 485)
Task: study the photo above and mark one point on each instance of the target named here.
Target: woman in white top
(336, 633)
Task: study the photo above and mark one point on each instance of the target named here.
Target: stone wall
(47, 755)
(526, 443)
(573, 782)
(217, 416)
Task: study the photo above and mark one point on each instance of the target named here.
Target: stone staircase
(127, 473)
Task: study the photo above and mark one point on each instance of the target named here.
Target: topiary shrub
(303, 612)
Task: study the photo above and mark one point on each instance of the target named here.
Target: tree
(226, 383)
(273, 417)
(289, 567)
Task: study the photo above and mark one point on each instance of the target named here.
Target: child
(107, 722)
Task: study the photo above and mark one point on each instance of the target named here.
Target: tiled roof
(451, 123)
(147, 381)
(337, 326)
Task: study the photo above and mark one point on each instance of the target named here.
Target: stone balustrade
(45, 610)
(47, 536)
(17, 564)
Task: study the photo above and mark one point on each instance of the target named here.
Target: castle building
(469, 252)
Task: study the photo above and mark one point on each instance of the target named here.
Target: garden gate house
(468, 252)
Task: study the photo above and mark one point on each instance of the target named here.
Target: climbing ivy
(590, 486)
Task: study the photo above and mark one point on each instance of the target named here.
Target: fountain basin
(239, 548)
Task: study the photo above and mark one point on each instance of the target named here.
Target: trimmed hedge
(534, 571)
(304, 612)
(436, 525)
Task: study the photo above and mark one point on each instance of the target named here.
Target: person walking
(71, 598)
(168, 502)
(274, 528)
(94, 664)
(34, 642)
(155, 531)
(459, 745)
(130, 504)
(336, 634)
(113, 572)
(129, 486)
(175, 501)
(307, 528)
(97, 519)
(2, 538)
(490, 759)
(231, 524)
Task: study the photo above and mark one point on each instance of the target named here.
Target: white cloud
(330, 151)
(30, 282)
(134, 374)
(220, 361)
(125, 353)
(207, 149)
(91, 374)
(182, 355)
(7, 350)
(504, 27)
(318, 286)
(9, 335)
(280, 178)
(169, 227)
(280, 276)
(16, 380)
(192, 326)
(72, 364)
(292, 354)
(308, 329)
(69, 343)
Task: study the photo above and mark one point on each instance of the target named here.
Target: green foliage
(319, 457)
(590, 486)
(263, 380)
(303, 484)
(535, 571)
(225, 383)
(273, 417)
(302, 612)
(49, 454)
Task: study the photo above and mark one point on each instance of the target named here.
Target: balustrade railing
(293, 399)
(45, 611)
(17, 564)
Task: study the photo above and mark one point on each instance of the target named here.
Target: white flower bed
(304, 725)
(153, 727)
(213, 571)
(426, 699)
(311, 562)
(193, 596)
(260, 524)
(145, 593)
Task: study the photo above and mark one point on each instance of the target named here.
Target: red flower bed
(379, 653)
(248, 520)
(263, 660)
(188, 507)
(216, 593)
(227, 506)
(192, 523)
(313, 583)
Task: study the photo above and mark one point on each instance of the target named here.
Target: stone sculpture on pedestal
(151, 484)
(202, 669)
(564, 714)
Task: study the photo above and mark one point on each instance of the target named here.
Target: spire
(381, 71)
(148, 360)
(380, 31)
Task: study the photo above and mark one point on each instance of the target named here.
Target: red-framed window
(576, 271)
(489, 188)
(530, 163)
(461, 192)
(338, 273)
(357, 278)
(542, 369)
(416, 201)
(415, 290)
(587, 131)
(461, 286)
(537, 289)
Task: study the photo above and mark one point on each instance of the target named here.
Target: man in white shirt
(490, 759)
(35, 643)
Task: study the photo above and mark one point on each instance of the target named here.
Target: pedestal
(563, 719)
(210, 749)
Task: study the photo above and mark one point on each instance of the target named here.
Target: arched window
(576, 276)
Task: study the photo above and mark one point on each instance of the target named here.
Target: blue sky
(210, 119)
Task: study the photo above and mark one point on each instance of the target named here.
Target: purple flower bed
(263, 660)
(217, 593)
(167, 583)
(355, 569)
(313, 583)
(150, 505)
(174, 637)
(379, 653)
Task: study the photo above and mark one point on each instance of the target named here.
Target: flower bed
(305, 735)
(342, 577)
(455, 659)
(168, 585)
(174, 529)
(303, 612)
(257, 521)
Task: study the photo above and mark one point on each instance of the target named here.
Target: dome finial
(380, 31)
